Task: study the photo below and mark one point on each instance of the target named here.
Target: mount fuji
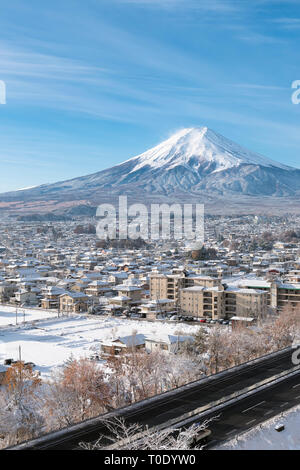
(193, 164)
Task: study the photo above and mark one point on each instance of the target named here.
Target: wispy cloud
(259, 38)
(204, 5)
(255, 86)
(288, 23)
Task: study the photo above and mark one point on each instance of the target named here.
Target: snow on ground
(8, 315)
(265, 436)
(49, 343)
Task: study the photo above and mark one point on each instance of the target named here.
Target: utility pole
(16, 316)
(20, 366)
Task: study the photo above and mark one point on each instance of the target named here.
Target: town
(248, 268)
(142, 317)
(248, 265)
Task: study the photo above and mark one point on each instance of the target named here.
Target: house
(25, 297)
(51, 297)
(133, 292)
(156, 307)
(73, 302)
(122, 345)
(241, 321)
(168, 343)
(120, 300)
(7, 290)
(98, 289)
(118, 278)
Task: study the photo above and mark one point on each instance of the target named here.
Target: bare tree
(20, 405)
(122, 435)
(80, 391)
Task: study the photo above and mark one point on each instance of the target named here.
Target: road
(249, 412)
(166, 406)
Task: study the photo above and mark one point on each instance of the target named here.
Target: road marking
(298, 396)
(283, 404)
(294, 386)
(230, 432)
(214, 440)
(254, 406)
(268, 412)
(252, 421)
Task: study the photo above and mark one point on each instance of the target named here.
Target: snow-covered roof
(170, 339)
(247, 319)
(75, 295)
(126, 341)
(121, 297)
(295, 286)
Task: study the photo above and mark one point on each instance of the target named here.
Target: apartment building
(166, 286)
(208, 297)
(245, 302)
(279, 293)
(287, 293)
(201, 301)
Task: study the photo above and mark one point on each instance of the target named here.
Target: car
(174, 317)
(135, 315)
(202, 320)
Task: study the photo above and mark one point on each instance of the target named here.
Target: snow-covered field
(265, 436)
(8, 315)
(49, 343)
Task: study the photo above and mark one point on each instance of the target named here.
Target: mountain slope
(193, 162)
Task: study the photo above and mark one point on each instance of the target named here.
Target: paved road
(169, 406)
(249, 412)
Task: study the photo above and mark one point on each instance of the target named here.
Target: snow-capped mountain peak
(197, 146)
(193, 163)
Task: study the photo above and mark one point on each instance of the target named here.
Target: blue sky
(90, 84)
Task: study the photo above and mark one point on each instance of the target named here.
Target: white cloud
(204, 5)
(259, 38)
(288, 23)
